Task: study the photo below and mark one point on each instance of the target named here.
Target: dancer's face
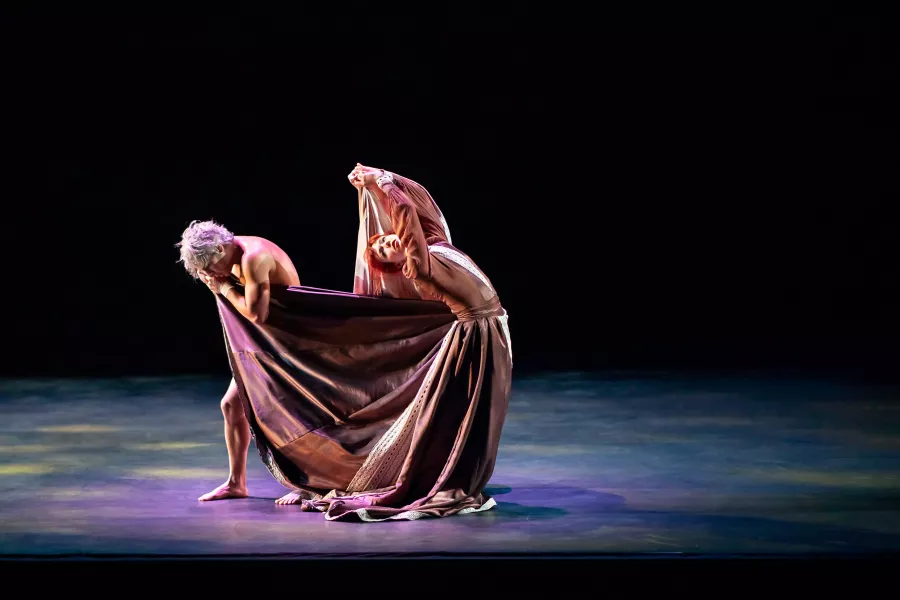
(217, 267)
(388, 248)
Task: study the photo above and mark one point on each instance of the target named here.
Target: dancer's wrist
(226, 287)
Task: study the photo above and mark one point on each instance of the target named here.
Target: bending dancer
(386, 403)
(440, 453)
(221, 259)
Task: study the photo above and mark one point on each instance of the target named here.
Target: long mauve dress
(386, 404)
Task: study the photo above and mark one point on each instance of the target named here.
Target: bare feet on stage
(224, 492)
(291, 498)
(237, 440)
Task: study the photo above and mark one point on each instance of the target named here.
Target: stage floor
(596, 464)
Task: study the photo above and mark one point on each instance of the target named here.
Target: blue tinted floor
(611, 463)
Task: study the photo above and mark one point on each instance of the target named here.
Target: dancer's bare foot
(224, 492)
(292, 498)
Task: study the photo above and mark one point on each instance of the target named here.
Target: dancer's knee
(230, 407)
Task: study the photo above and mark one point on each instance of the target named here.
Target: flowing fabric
(380, 405)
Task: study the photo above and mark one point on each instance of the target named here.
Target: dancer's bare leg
(237, 439)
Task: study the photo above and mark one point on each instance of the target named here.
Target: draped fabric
(379, 404)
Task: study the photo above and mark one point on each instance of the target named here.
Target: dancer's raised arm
(404, 219)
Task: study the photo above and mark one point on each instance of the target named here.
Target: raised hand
(356, 179)
(363, 175)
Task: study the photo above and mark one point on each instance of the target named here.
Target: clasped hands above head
(362, 175)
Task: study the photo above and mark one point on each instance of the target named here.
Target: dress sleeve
(405, 222)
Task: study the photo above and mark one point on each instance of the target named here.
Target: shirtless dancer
(216, 257)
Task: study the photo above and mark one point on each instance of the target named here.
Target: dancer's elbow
(258, 317)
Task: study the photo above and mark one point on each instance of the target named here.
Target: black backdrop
(640, 200)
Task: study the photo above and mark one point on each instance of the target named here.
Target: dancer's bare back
(261, 254)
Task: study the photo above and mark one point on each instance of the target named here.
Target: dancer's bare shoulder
(253, 245)
(266, 256)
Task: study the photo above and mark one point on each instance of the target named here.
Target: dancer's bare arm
(404, 219)
(254, 302)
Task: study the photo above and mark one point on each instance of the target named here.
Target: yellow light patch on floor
(70, 461)
(548, 450)
(828, 478)
(169, 446)
(70, 493)
(27, 448)
(79, 428)
(26, 469)
(178, 473)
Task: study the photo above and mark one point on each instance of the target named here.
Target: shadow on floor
(547, 502)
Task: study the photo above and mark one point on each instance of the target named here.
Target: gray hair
(198, 245)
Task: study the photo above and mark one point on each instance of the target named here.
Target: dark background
(682, 198)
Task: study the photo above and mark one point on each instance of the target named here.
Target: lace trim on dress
(386, 459)
(459, 258)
